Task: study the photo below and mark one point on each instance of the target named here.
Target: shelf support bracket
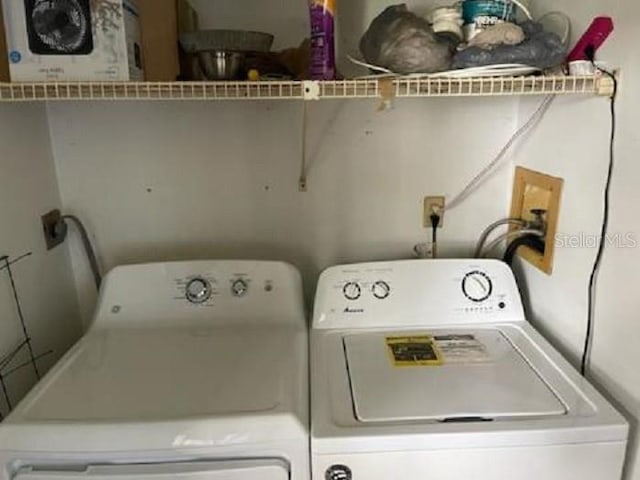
(605, 86)
(310, 90)
(302, 181)
(387, 92)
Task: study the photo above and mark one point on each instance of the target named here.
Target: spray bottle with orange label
(323, 50)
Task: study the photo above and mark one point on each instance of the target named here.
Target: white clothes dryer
(192, 370)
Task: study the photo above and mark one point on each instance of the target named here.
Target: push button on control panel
(239, 288)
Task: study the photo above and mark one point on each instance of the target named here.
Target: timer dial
(477, 286)
(381, 290)
(352, 291)
(198, 290)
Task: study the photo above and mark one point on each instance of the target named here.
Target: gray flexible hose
(491, 228)
(88, 248)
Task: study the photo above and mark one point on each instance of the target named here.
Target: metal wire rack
(9, 363)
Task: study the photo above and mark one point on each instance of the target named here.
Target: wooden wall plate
(535, 190)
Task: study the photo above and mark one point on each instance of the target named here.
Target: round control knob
(338, 472)
(198, 290)
(381, 290)
(477, 286)
(352, 291)
(239, 288)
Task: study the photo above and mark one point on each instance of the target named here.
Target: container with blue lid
(481, 14)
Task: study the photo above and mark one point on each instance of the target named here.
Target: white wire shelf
(309, 90)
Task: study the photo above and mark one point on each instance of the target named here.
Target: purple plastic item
(323, 50)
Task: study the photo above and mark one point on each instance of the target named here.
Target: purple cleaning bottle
(323, 50)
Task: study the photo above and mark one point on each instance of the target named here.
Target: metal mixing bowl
(219, 65)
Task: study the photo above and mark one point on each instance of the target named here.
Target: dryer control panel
(417, 293)
(206, 292)
(206, 287)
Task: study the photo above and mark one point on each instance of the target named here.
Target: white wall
(170, 181)
(573, 143)
(28, 189)
(157, 181)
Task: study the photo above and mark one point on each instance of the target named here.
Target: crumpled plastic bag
(404, 43)
(540, 49)
(499, 34)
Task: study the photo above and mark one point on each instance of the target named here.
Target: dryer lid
(439, 376)
(167, 374)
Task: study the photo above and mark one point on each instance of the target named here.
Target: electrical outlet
(537, 191)
(55, 230)
(433, 205)
(424, 250)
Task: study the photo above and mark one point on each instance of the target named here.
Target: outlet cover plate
(52, 236)
(429, 204)
(534, 190)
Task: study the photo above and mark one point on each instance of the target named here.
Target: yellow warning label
(414, 351)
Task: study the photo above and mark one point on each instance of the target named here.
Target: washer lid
(140, 375)
(437, 376)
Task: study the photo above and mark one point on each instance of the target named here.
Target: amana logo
(353, 310)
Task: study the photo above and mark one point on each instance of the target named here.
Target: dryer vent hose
(88, 248)
(532, 241)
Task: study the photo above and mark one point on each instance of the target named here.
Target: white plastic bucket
(479, 15)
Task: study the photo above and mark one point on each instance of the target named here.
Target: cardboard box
(162, 22)
(159, 25)
(73, 40)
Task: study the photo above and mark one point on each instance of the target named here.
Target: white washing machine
(190, 371)
(429, 369)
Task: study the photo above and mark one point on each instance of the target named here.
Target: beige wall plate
(534, 190)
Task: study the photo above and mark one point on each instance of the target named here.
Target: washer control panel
(434, 292)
